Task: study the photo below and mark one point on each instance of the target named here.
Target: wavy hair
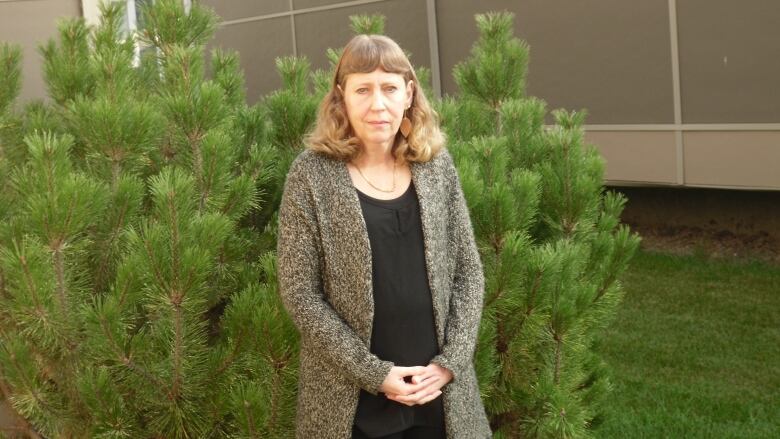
(333, 134)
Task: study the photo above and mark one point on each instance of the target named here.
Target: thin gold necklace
(372, 184)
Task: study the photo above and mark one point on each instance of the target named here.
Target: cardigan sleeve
(301, 289)
(468, 285)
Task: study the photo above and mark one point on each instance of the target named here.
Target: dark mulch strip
(708, 242)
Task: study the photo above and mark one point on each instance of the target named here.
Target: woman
(377, 262)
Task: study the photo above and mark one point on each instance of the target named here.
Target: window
(133, 20)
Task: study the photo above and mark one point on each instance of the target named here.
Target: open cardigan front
(324, 271)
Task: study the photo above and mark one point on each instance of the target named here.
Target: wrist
(444, 371)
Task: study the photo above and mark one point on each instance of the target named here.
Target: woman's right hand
(394, 384)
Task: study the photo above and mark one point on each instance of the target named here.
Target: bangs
(366, 53)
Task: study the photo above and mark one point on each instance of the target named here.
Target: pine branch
(534, 290)
(24, 426)
(150, 254)
(30, 283)
(175, 242)
(251, 421)
(59, 275)
(68, 366)
(500, 420)
(606, 284)
(558, 357)
(367, 24)
(195, 139)
(26, 380)
(123, 294)
(116, 230)
(47, 370)
(613, 271)
(106, 403)
(230, 359)
(205, 189)
(4, 294)
(502, 344)
(116, 169)
(568, 225)
(276, 390)
(176, 296)
(126, 360)
(10, 71)
(529, 309)
(178, 348)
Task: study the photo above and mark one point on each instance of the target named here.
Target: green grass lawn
(695, 350)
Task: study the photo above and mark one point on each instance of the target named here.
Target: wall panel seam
(433, 41)
(675, 55)
(292, 27)
(299, 12)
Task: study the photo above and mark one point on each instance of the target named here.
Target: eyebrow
(372, 83)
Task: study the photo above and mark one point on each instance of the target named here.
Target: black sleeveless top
(403, 329)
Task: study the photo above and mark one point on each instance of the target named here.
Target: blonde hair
(333, 133)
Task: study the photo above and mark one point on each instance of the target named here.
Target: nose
(378, 101)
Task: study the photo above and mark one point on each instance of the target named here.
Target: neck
(374, 155)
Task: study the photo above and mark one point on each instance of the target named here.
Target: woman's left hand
(441, 376)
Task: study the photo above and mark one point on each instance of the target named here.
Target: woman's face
(375, 105)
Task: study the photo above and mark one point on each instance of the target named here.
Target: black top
(403, 329)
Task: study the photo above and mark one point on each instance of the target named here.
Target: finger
(403, 388)
(429, 398)
(410, 389)
(416, 379)
(417, 398)
(430, 387)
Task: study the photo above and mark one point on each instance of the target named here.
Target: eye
(361, 90)
(391, 88)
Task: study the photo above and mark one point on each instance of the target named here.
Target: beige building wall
(262, 31)
(29, 23)
(678, 93)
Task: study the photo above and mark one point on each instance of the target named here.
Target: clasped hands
(424, 385)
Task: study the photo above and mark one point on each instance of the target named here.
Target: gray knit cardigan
(324, 270)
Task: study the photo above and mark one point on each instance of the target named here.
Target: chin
(378, 140)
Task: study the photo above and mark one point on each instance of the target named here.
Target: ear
(409, 93)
